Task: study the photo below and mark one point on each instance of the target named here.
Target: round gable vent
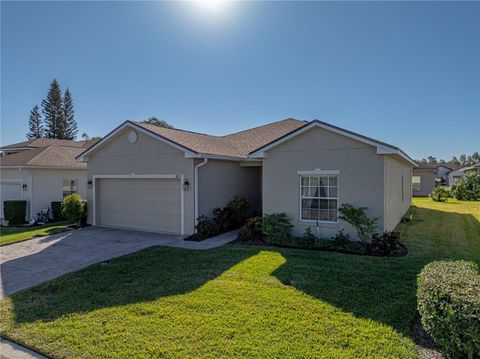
(132, 137)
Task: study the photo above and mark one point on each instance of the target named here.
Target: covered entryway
(10, 190)
(151, 204)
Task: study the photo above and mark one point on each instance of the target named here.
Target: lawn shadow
(143, 276)
(384, 289)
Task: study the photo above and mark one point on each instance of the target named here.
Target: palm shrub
(449, 305)
(277, 229)
(74, 208)
(467, 188)
(440, 194)
(358, 218)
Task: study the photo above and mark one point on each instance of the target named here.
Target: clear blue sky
(404, 73)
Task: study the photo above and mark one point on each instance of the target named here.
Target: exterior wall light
(186, 185)
(89, 184)
(24, 186)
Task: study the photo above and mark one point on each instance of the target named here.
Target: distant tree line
(462, 160)
(58, 116)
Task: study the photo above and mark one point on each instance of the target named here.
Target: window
(319, 198)
(416, 183)
(69, 187)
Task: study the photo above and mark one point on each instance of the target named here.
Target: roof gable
(382, 147)
(53, 156)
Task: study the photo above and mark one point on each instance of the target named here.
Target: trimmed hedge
(15, 212)
(57, 213)
(449, 305)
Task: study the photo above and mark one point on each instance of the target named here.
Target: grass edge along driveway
(243, 301)
(10, 235)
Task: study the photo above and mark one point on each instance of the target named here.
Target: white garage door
(146, 204)
(10, 191)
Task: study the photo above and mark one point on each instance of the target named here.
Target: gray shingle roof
(49, 156)
(238, 144)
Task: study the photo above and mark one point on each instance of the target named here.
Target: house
(41, 171)
(428, 175)
(159, 179)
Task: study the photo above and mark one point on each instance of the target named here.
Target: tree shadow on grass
(144, 276)
(384, 289)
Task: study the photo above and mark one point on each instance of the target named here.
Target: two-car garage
(140, 202)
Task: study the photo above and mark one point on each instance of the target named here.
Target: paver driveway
(28, 263)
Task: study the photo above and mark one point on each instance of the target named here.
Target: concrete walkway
(11, 350)
(25, 264)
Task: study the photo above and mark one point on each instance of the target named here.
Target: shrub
(205, 228)
(341, 239)
(57, 211)
(15, 212)
(387, 244)
(74, 208)
(440, 194)
(467, 188)
(358, 218)
(277, 229)
(251, 231)
(238, 208)
(449, 305)
(308, 239)
(223, 220)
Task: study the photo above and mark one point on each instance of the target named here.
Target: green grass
(10, 235)
(243, 301)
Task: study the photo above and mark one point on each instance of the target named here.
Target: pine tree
(52, 108)
(35, 124)
(71, 128)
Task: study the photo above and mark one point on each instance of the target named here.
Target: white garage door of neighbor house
(10, 191)
(146, 204)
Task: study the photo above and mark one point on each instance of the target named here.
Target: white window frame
(415, 183)
(317, 172)
(71, 192)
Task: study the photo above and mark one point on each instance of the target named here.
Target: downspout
(204, 162)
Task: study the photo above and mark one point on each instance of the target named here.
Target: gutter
(204, 162)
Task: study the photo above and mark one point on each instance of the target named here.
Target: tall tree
(35, 127)
(156, 122)
(71, 128)
(52, 108)
(431, 159)
(462, 159)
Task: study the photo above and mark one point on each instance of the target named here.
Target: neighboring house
(41, 171)
(159, 179)
(456, 174)
(427, 175)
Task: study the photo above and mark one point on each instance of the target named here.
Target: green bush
(341, 239)
(74, 208)
(388, 244)
(307, 240)
(57, 211)
(440, 194)
(205, 228)
(223, 219)
(467, 188)
(449, 305)
(358, 218)
(251, 232)
(15, 212)
(239, 210)
(277, 229)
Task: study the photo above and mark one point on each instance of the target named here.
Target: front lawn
(243, 301)
(10, 235)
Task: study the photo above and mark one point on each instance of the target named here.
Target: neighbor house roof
(242, 145)
(44, 142)
(53, 156)
(432, 166)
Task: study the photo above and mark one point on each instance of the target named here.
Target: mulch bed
(424, 344)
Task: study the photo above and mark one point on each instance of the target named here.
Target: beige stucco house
(41, 171)
(428, 175)
(158, 179)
